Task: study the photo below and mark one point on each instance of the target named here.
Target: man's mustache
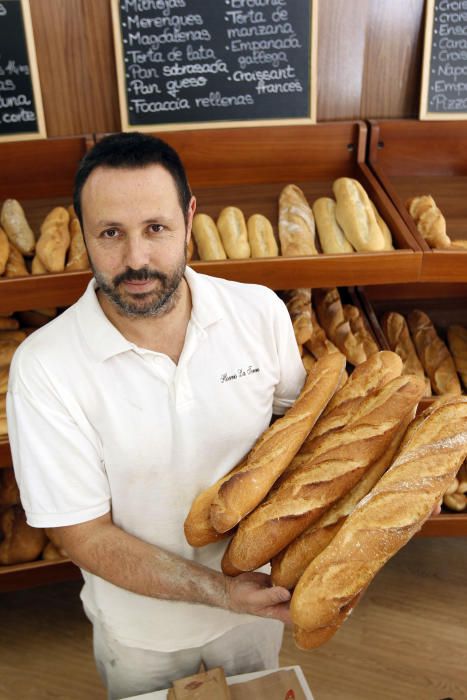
(144, 274)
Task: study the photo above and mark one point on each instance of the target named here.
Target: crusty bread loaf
(15, 266)
(297, 230)
(290, 564)
(298, 302)
(331, 236)
(384, 520)
(388, 244)
(9, 492)
(54, 240)
(208, 240)
(14, 223)
(4, 250)
(8, 323)
(353, 315)
(339, 459)
(434, 354)
(397, 334)
(77, 254)
(330, 314)
(319, 344)
(198, 528)
(261, 237)
(459, 244)
(276, 447)
(231, 225)
(356, 215)
(20, 542)
(37, 267)
(457, 340)
(429, 221)
(308, 360)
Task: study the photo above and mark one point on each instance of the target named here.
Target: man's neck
(164, 334)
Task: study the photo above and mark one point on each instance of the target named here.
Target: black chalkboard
(197, 61)
(444, 89)
(20, 107)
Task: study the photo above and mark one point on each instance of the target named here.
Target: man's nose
(137, 253)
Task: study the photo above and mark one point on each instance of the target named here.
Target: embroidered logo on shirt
(238, 374)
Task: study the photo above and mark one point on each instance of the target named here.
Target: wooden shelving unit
(241, 167)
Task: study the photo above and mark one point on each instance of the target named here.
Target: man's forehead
(152, 172)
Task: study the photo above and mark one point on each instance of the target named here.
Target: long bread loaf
(276, 447)
(339, 460)
(291, 563)
(384, 520)
(197, 525)
(434, 354)
(331, 317)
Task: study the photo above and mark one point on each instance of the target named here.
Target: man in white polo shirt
(121, 410)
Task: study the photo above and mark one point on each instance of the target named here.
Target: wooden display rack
(445, 304)
(410, 158)
(243, 167)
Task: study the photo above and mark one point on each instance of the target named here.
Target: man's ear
(190, 215)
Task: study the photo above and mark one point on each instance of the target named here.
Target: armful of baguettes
(383, 522)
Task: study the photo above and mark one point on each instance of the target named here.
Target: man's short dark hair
(132, 150)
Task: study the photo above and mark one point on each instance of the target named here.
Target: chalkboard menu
(444, 82)
(215, 62)
(21, 115)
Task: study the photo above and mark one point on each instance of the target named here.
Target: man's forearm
(105, 550)
(137, 566)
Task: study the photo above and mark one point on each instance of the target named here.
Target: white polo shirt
(97, 423)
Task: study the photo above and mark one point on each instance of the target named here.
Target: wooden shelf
(445, 525)
(37, 573)
(412, 157)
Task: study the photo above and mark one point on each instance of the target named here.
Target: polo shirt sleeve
(292, 371)
(56, 457)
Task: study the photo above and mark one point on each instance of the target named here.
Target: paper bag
(277, 685)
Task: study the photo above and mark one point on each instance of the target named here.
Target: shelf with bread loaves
(426, 325)
(256, 171)
(422, 165)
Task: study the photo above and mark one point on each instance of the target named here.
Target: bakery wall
(370, 55)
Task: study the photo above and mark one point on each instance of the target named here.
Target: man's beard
(154, 303)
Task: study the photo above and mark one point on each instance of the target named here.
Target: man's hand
(252, 593)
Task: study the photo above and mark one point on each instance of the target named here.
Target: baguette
(388, 244)
(384, 520)
(434, 355)
(397, 334)
(77, 254)
(429, 221)
(340, 458)
(4, 250)
(298, 302)
(261, 237)
(319, 344)
(360, 330)
(356, 216)
(208, 240)
(16, 227)
(331, 236)
(37, 267)
(15, 266)
(231, 225)
(54, 240)
(297, 232)
(197, 526)
(331, 316)
(276, 447)
(459, 244)
(289, 565)
(457, 340)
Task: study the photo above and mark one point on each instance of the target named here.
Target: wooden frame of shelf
(410, 158)
(243, 167)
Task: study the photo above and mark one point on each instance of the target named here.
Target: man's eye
(110, 233)
(156, 228)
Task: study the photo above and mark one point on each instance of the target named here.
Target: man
(121, 410)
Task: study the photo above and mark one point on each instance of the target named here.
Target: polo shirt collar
(106, 341)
